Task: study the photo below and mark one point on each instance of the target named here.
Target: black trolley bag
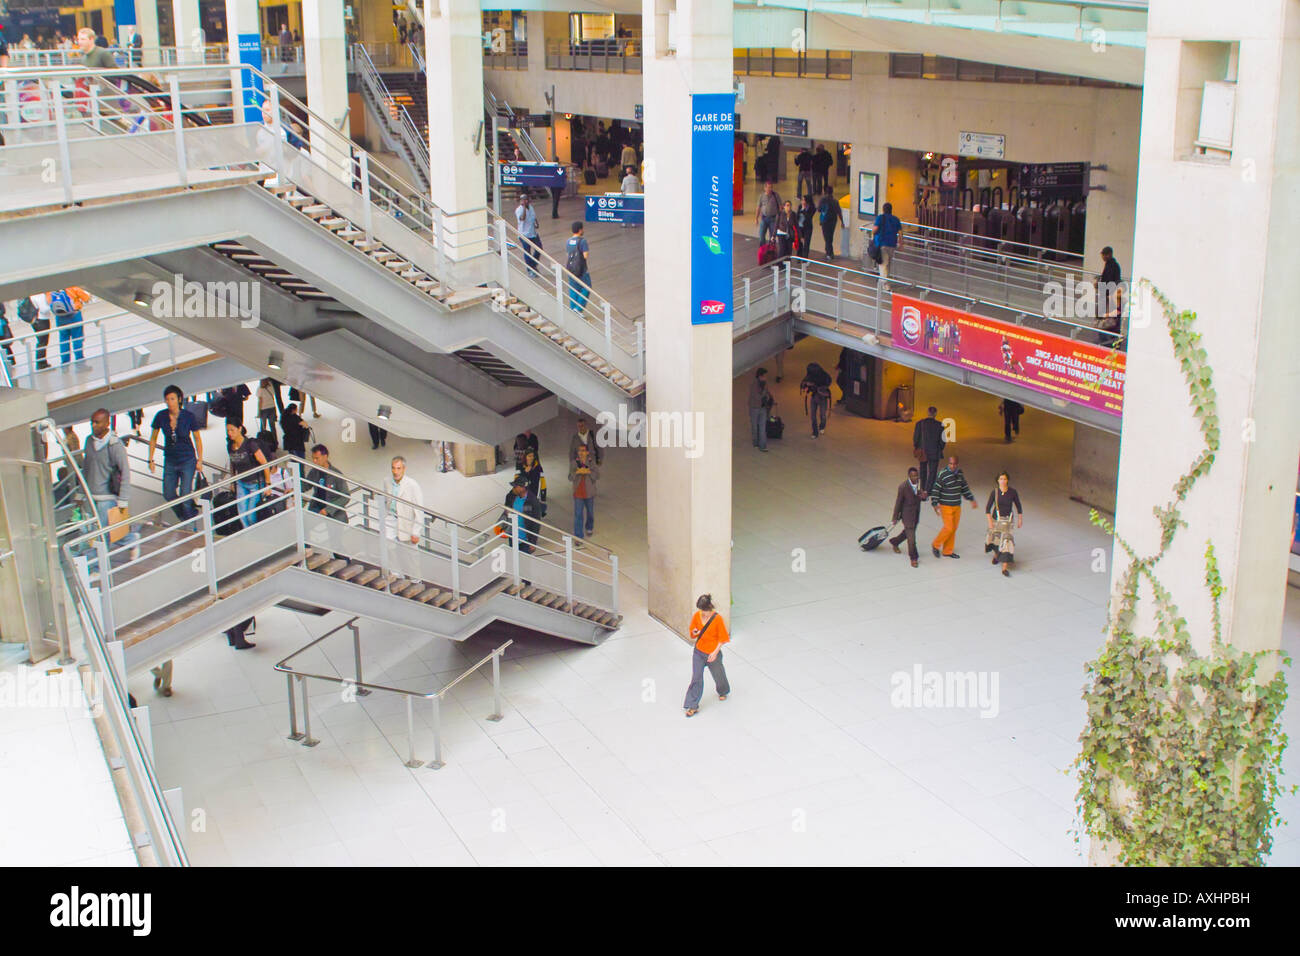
(775, 427)
(873, 538)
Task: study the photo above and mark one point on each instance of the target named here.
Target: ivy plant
(1180, 762)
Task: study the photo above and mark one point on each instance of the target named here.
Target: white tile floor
(593, 763)
(58, 806)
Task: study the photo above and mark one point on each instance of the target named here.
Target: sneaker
(953, 555)
(936, 552)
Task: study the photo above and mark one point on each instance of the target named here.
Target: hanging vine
(1181, 754)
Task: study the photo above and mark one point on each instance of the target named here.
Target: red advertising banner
(1054, 365)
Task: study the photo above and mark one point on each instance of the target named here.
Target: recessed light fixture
(275, 361)
(141, 300)
(385, 411)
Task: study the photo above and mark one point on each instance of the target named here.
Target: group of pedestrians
(790, 229)
(60, 310)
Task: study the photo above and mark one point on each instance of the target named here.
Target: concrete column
(453, 50)
(187, 24)
(146, 24)
(243, 20)
(688, 367)
(1239, 276)
(324, 50)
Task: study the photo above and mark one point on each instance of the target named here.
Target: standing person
(137, 48)
(631, 187)
(760, 400)
(1011, 412)
(525, 442)
(999, 539)
(946, 495)
(907, 509)
(253, 477)
(927, 446)
(583, 473)
(785, 231)
(842, 375)
(520, 499)
(378, 436)
(329, 490)
(30, 311)
(816, 389)
(803, 218)
(628, 158)
(6, 335)
(709, 633)
(1109, 293)
(532, 471)
(266, 413)
(585, 436)
(769, 205)
(530, 235)
(578, 256)
(822, 162)
(828, 213)
(286, 44)
(182, 451)
(556, 193)
(107, 469)
(68, 321)
(405, 504)
(294, 430)
(885, 233)
(804, 163)
(94, 56)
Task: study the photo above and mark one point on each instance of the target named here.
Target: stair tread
(350, 572)
(368, 575)
(333, 567)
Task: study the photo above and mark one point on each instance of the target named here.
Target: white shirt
(527, 220)
(631, 184)
(405, 503)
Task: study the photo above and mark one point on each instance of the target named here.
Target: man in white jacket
(405, 505)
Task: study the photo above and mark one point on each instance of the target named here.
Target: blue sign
(250, 85)
(533, 175)
(713, 134)
(615, 207)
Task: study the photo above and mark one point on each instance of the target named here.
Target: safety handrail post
(410, 735)
(178, 129)
(505, 253)
(103, 353)
(455, 565)
(776, 291)
(436, 763)
(277, 127)
(367, 205)
(356, 651)
(383, 537)
(613, 581)
(745, 281)
(440, 234)
(105, 587)
(300, 521)
(496, 683)
(609, 332)
(209, 553)
(61, 131)
(307, 740)
(640, 345)
(514, 543)
(294, 733)
(568, 573)
(559, 292)
(839, 297)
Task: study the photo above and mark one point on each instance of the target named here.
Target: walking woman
(710, 633)
(785, 230)
(246, 456)
(999, 540)
(531, 469)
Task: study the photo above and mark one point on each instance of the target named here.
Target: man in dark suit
(1011, 412)
(927, 438)
(907, 509)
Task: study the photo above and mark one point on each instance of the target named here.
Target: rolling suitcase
(225, 516)
(873, 537)
(589, 177)
(767, 252)
(775, 427)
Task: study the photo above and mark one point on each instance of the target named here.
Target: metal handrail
(402, 125)
(1029, 254)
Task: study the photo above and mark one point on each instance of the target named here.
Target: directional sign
(638, 112)
(1054, 180)
(532, 175)
(615, 207)
(789, 126)
(987, 145)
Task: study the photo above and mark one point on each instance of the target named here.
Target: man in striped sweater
(946, 494)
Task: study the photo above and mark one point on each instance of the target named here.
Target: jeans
(828, 236)
(818, 408)
(581, 505)
(531, 244)
(758, 421)
(579, 289)
(70, 339)
(246, 505)
(178, 481)
(766, 224)
(805, 179)
(699, 661)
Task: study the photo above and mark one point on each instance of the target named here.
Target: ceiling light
(141, 300)
(275, 361)
(385, 411)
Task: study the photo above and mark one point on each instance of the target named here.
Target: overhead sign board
(984, 145)
(638, 112)
(789, 126)
(615, 207)
(1054, 180)
(533, 175)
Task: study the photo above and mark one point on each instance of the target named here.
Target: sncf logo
(712, 307)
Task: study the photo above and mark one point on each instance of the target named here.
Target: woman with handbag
(709, 633)
(532, 471)
(999, 540)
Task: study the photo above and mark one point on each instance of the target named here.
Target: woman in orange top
(709, 634)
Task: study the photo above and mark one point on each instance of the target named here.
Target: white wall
(874, 112)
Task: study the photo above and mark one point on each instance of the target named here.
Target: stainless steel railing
(361, 688)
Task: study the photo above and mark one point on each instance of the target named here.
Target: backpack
(60, 303)
(27, 310)
(577, 263)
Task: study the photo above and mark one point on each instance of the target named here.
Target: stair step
(529, 315)
(425, 284)
(316, 210)
(368, 575)
(514, 589)
(516, 307)
(427, 595)
(278, 188)
(443, 599)
(298, 200)
(350, 572)
(317, 559)
(397, 265)
(528, 592)
(334, 222)
(382, 255)
(367, 245)
(333, 567)
(393, 583)
(411, 589)
(350, 234)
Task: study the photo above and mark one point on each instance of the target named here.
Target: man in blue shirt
(888, 226)
(580, 285)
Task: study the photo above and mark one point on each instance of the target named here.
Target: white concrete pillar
(187, 25)
(324, 50)
(244, 36)
(1217, 236)
(688, 366)
(146, 24)
(453, 51)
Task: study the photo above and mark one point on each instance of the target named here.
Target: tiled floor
(809, 762)
(58, 805)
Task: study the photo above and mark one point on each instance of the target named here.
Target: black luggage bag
(775, 427)
(873, 537)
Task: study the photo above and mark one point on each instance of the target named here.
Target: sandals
(722, 697)
(691, 713)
